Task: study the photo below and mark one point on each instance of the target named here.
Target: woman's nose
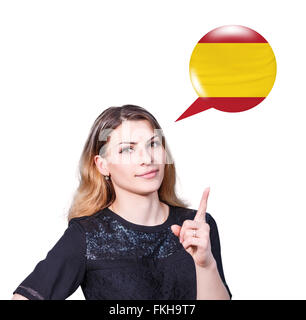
(145, 155)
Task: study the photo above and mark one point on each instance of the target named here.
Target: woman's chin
(146, 187)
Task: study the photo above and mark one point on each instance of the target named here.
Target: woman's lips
(149, 175)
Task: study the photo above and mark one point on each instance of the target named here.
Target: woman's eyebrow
(137, 142)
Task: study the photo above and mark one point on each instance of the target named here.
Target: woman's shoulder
(183, 214)
(86, 221)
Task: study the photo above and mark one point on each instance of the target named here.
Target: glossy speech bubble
(232, 68)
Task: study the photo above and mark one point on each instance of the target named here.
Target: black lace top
(112, 258)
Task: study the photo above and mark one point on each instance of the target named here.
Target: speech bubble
(232, 68)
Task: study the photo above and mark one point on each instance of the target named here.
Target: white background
(63, 62)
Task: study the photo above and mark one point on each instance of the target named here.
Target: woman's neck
(148, 212)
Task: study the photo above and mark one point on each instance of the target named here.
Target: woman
(129, 236)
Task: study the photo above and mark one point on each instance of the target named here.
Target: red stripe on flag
(227, 104)
(233, 34)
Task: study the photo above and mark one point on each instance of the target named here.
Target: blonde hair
(94, 192)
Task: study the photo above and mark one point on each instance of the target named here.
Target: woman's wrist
(212, 265)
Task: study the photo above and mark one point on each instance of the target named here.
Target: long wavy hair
(94, 192)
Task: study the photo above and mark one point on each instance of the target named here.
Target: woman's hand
(197, 243)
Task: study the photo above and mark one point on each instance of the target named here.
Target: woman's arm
(61, 272)
(18, 296)
(209, 284)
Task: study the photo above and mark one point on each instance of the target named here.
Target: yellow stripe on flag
(232, 69)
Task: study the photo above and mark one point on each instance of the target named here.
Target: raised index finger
(201, 213)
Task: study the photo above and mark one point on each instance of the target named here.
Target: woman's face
(135, 148)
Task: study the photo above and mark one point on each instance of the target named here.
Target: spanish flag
(232, 68)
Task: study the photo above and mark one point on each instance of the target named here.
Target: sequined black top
(112, 258)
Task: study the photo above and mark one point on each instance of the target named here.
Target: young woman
(129, 236)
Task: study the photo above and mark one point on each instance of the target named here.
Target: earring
(106, 177)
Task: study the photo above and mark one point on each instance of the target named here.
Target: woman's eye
(124, 149)
(157, 143)
(130, 148)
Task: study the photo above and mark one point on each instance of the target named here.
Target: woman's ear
(101, 164)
